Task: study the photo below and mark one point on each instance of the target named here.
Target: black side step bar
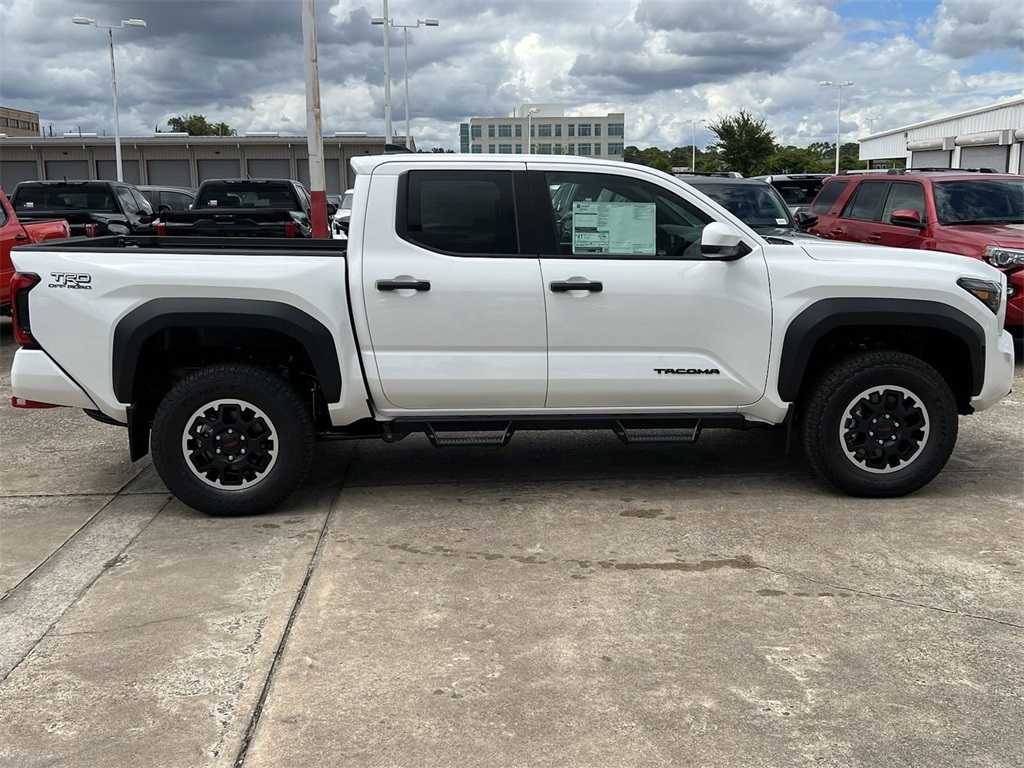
(439, 440)
(649, 435)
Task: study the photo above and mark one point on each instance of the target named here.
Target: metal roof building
(181, 160)
(991, 137)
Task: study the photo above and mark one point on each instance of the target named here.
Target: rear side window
(469, 212)
(866, 201)
(904, 196)
(828, 195)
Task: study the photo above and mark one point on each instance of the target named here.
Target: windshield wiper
(989, 220)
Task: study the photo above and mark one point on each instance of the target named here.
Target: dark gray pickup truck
(90, 207)
(243, 208)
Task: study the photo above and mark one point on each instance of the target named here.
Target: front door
(455, 312)
(637, 317)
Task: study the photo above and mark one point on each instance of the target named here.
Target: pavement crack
(123, 627)
(891, 598)
(314, 561)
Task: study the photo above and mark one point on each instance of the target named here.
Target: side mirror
(163, 209)
(331, 209)
(805, 219)
(723, 242)
(906, 218)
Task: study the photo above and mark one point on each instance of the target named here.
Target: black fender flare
(157, 315)
(824, 316)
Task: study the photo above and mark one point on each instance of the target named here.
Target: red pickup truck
(12, 233)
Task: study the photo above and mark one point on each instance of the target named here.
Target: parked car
(14, 232)
(343, 214)
(757, 204)
(972, 213)
(90, 207)
(169, 198)
(797, 189)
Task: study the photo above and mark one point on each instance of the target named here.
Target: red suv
(971, 213)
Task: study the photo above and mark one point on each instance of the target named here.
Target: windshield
(981, 201)
(346, 202)
(64, 197)
(757, 206)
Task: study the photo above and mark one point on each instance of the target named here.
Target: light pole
(529, 128)
(113, 76)
(839, 111)
(693, 154)
(871, 123)
(405, 43)
(385, 20)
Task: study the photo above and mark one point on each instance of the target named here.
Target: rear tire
(879, 424)
(232, 439)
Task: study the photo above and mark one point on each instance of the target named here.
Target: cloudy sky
(661, 62)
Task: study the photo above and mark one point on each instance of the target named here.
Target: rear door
(455, 310)
(861, 214)
(637, 317)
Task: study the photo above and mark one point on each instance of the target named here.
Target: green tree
(651, 157)
(745, 144)
(796, 160)
(198, 125)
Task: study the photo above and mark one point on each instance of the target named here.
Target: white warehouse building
(991, 137)
(545, 129)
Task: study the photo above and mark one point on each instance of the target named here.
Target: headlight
(999, 256)
(988, 293)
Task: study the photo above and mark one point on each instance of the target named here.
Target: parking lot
(565, 601)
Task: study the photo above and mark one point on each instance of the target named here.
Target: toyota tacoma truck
(244, 208)
(14, 232)
(479, 296)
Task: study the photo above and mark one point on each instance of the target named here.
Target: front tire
(879, 424)
(232, 439)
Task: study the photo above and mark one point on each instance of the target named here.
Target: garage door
(217, 169)
(107, 169)
(935, 158)
(270, 169)
(67, 169)
(992, 156)
(332, 175)
(13, 171)
(170, 173)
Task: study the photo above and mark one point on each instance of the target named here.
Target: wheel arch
(946, 338)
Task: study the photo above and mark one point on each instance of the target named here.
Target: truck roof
(368, 163)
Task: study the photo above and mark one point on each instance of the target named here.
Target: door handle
(874, 237)
(403, 285)
(838, 231)
(564, 286)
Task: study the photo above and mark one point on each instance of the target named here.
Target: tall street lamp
(113, 75)
(384, 21)
(693, 154)
(529, 128)
(405, 42)
(839, 111)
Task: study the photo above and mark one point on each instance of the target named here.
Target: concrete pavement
(566, 601)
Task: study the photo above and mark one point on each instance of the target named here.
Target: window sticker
(781, 222)
(613, 228)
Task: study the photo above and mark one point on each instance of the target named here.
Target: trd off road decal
(75, 281)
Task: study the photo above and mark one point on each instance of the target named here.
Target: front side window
(866, 201)
(620, 216)
(127, 201)
(141, 202)
(461, 212)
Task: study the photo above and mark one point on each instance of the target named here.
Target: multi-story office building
(18, 122)
(545, 129)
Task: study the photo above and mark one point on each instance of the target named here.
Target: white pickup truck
(478, 296)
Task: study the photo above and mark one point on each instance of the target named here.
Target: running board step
(639, 436)
(441, 440)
